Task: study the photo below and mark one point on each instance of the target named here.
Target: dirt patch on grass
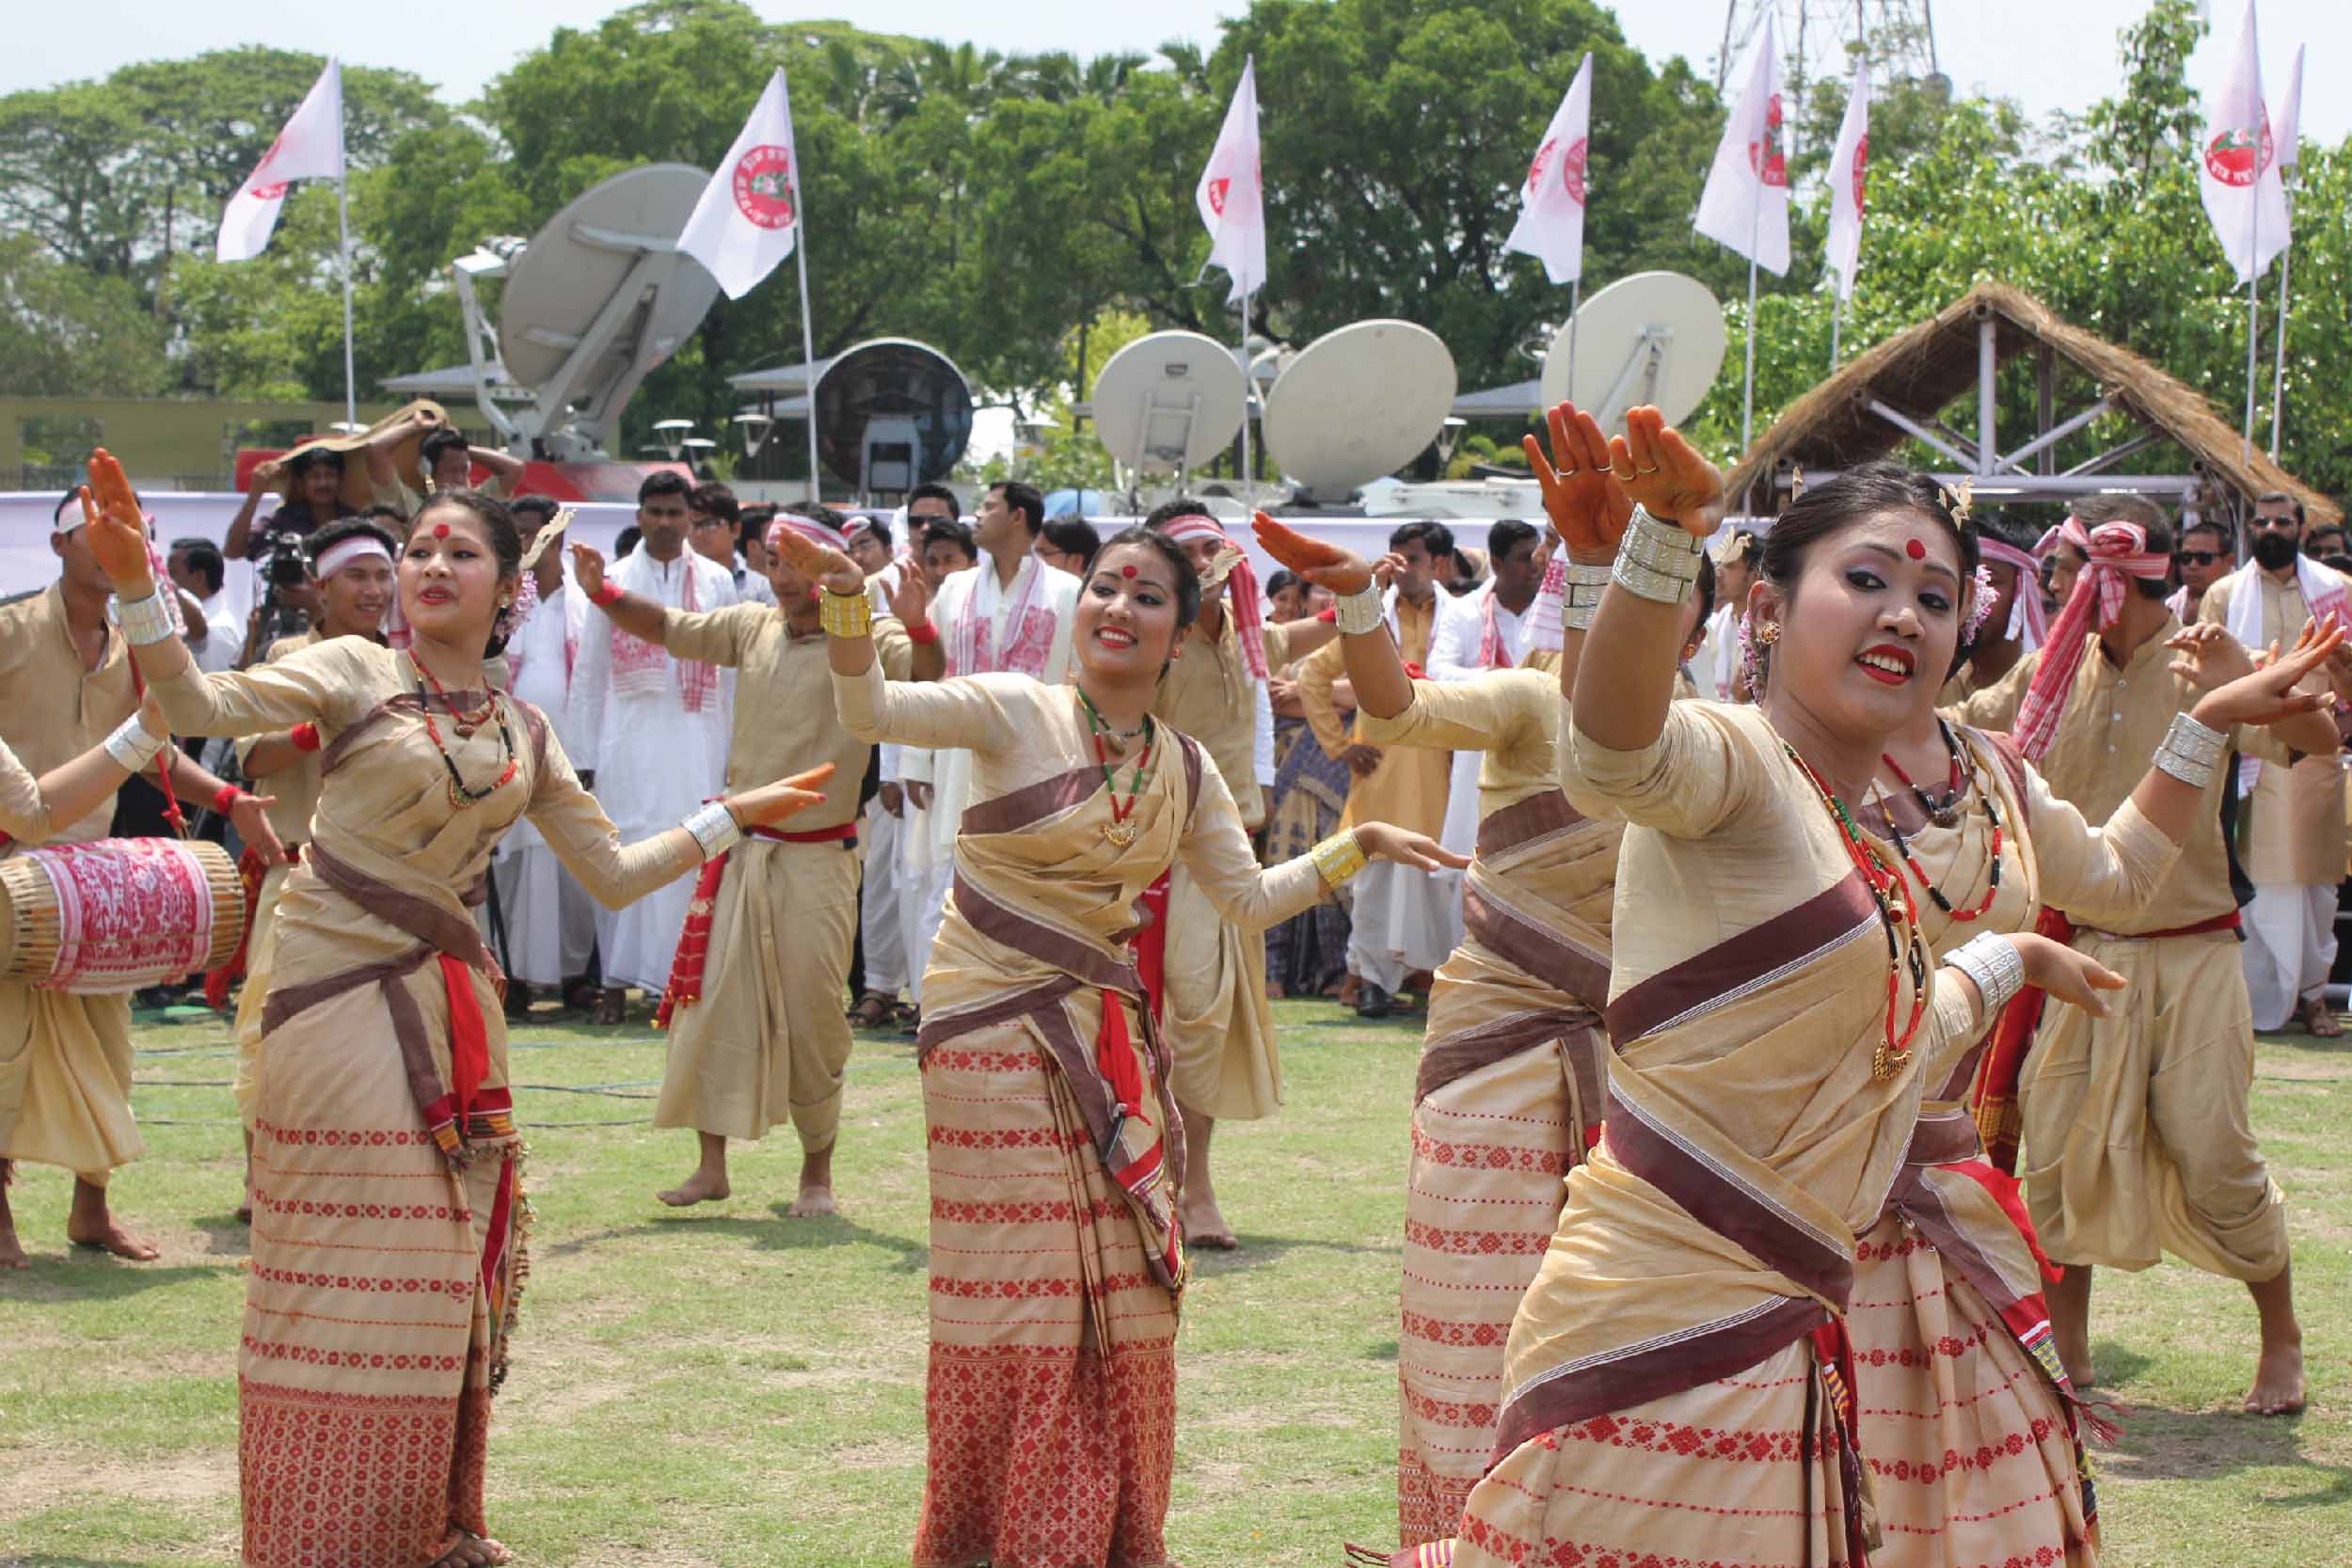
(39, 1480)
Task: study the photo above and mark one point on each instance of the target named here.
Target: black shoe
(1372, 1002)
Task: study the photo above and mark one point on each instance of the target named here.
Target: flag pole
(1575, 298)
(2278, 373)
(1248, 395)
(809, 338)
(1836, 323)
(2253, 321)
(343, 226)
(1747, 397)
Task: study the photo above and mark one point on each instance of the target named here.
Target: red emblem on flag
(268, 193)
(1572, 170)
(1861, 160)
(1766, 157)
(2238, 156)
(1216, 195)
(763, 187)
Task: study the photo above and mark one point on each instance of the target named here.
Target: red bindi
(440, 531)
(1915, 550)
(1126, 571)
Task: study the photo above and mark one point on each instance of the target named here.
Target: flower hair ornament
(1959, 502)
(1980, 603)
(1756, 649)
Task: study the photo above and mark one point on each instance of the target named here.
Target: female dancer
(1307, 954)
(387, 1245)
(1056, 1251)
(1966, 1418)
(1509, 1095)
(1678, 1381)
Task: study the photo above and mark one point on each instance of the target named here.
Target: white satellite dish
(598, 299)
(1655, 338)
(1171, 400)
(1358, 403)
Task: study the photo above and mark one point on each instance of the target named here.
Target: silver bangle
(1580, 595)
(715, 829)
(2191, 752)
(131, 745)
(145, 621)
(1994, 964)
(1657, 560)
(1361, 612)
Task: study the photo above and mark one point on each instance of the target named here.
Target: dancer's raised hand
(1665, 474)
(822, 564)
(1324, 564)
(117, 528)
(588, 569)
(772, 804)
(2261, 695)
(1588, 508)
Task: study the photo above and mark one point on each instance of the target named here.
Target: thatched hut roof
(1919, 372)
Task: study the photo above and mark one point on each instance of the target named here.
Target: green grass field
(732, 1388)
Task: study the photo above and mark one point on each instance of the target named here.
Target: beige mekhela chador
(767, 1038)
(388, 1214)
(1509, 1095)
(1057, 1247)
(1675, 1383)
(1966, 1417)
(294, 791)
(2137, 1135)
(64, 1058)
(1214, 1016)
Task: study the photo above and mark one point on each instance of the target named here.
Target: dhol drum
(117, 914)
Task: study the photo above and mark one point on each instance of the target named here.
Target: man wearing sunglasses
(2205, 557)
(2291, 828)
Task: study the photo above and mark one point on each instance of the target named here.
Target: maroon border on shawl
(1536, 949)
(1524, 822)
(1729, 1209)
(1467, 1050)
(1744, 959)
(1001, 924)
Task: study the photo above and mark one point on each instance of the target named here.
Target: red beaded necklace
(1895, 909)
(1991, 817)
(1121, 828)
(462, 795)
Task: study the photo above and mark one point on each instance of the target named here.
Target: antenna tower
(1818, 37)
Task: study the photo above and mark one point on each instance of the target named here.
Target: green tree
(68, 332)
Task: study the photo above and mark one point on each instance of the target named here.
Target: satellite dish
(892, 414)
(1359, 404)
(596, 301)
(1655, 338)
(1171, 400)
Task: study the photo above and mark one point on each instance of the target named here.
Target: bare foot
(697, 1188)
(2278, 1381)
(813, 1202)
(107, 1235)
(12, 1250)
(473, 1551)
(1205, 1227)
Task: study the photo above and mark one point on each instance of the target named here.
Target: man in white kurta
(2291, 827)
(1011, 611)
(650, 731)
(549, 922)
(1487, 628)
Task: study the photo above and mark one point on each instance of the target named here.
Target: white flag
(2238, 172)
(2284, 123)
(749, 217)
(1231, 196)
(1552, 203)
(1848, 168)
(1745, 204)
(309, 147)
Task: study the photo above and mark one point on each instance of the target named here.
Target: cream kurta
(1216, 1019)
(1057, 1246)
(1408, 790)
(1510, 1088)
(2136, 1127)
(65, 1060)
(1748, 997)
(2291, 828)
(767, 1037)
(384, 1137)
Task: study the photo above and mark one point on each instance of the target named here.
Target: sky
(2049, 56)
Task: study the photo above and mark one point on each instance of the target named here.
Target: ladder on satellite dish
(1168, 400)
(1653, 337)
(597, 300)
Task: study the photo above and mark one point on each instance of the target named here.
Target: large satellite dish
(1358, 403)
(1171, 400)
(1654, 337)
(892, 414)
(596, 301)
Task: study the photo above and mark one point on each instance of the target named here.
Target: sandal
(612, 1007)
(873, 1010)
(2320, 1020)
